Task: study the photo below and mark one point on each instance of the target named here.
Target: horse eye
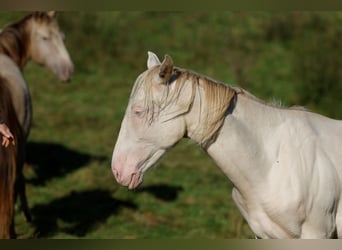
(45, 38)
(138, 112)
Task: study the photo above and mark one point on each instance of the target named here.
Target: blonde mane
(215, 100)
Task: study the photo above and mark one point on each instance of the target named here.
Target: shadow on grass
(77, 214)
(50, 160)
(162, 192)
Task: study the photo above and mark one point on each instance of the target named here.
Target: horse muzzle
(131, 179)
(65, 73)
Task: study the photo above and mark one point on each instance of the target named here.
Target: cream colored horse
(36, 37)
(285, 164)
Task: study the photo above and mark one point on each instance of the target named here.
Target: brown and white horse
(36, 37)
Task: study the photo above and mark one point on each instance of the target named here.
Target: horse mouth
(136, 180)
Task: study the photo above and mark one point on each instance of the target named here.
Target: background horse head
(37, 37)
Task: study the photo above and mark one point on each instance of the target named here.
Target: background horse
(36, 37)
(285, 164)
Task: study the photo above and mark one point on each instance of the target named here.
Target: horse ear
(52, 13)
(166, 68)
(152, 60)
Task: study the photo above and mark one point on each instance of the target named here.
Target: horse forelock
(42, 17)
(144, 83)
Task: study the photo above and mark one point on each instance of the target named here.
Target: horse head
(153, 122)
(46, 45)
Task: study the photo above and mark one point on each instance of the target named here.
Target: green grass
(70, 187)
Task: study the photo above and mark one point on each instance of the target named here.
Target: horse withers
(285, 163)
(36, 37)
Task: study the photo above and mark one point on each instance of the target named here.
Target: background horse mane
(11, 159)
(15, 37)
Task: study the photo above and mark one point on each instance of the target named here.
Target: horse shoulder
(302, 173)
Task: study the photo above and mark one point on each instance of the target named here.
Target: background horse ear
(166, 68)
(52, 13)
(152, 60)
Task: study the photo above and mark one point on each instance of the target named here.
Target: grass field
(292, 57)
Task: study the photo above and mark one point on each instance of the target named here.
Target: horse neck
(14, 42)
(245, 146)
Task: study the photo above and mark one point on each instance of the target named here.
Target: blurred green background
(293, 58)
